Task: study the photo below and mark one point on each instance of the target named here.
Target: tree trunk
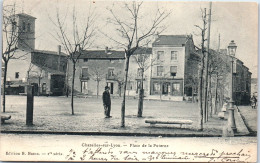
(4, 86)
(97, 88)
(72, 88)
(205, 102)
(161, 89)
(201, 110)
(123, 102)
(67, 80)
(39, 83)
(216, 95)
(141, 95)
(192, 96)
(119, 87)
(210, 97)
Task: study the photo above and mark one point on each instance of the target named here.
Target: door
(166, 88)
(111, 86)
(84, 87)
(35, 88)
(44, 87)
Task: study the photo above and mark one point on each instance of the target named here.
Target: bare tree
(119, 78)
(97, 73)
(143, 61)
(206, 83)
(10, 34)
(131, 77)
(203, 29)
(134, 33)
(219, 69)
(76, 40)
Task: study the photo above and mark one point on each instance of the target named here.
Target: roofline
(115, 58)
(167, 45)
(49, 52)
(23, 14)
(183, 36)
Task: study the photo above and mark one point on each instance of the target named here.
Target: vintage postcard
(129, 81)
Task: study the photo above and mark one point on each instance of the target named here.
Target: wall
(166, 62)
(102, 67)
(19, 65)
(134, 78)
(27, 38)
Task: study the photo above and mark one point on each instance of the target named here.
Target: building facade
(168, 71)
(44, 69)
(139, 72)
(241, 79)
(96, 69)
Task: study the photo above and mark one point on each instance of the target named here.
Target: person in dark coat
(107, 102)
(253, 101)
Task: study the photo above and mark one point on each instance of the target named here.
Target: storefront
(166, 86)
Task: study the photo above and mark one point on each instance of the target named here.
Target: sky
(236, 21)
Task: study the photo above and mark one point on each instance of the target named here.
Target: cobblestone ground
(54, 114)
(250, 117)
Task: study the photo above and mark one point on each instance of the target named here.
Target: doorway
(44, 88)
(111, 86)
(166, 88)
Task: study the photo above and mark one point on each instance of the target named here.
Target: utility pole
(206, 68)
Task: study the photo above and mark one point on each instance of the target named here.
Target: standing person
(253, 101)
(107, 102)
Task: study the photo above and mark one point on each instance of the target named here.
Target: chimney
(58, 52)
(106, 50)
(156, 36)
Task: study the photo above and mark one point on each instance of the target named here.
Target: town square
(166, 70)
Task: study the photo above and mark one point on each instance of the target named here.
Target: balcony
(84, 77)
(111, 77)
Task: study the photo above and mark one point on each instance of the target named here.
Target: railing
(86, 77)
(110, 77)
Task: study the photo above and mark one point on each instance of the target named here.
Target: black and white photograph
(129, 81)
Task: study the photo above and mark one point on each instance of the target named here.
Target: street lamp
(231, 119)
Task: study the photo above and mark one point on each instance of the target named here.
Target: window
(176, 89)
(156, 87)
(174, 55)
(29, 27)
(160, 55)
(111, 72)
(173, 70)
(16, 75)
(140, 58)
(129, 85)
(139, 72)
(24, 26)
(85, 60)
(138, 85)
(159, 70)
(84, 72)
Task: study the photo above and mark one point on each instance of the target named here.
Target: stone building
(44, 69)
(96, 69)
(168, 72)
(241, 79)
